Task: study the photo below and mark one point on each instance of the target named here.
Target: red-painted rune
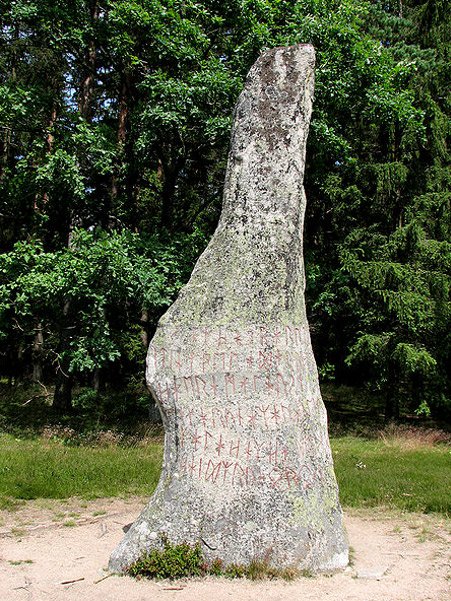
(275, 414)
(207, 436)
(203, 419)
(196, 440)
(244, 384)
(220, 445)
(192, 466)
(248, 450)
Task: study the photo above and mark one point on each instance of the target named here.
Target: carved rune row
(232, 384)
(262, 416)
(222, 471)
(276, 336)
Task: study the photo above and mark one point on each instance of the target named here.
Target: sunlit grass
(39, 468)
(393, 474)
(388, 472)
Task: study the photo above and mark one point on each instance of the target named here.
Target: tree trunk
(121, 134)
(98, 382)
(170, 175)
(87, 86)
(125, 186)
(40, 200)
(5, 144)
(37, 352)
(62, 400)
(391, 407)
(123, 111)
(392, 397)
(145, 328)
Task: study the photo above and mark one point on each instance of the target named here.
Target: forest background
(115, 119)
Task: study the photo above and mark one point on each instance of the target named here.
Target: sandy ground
(57, 551)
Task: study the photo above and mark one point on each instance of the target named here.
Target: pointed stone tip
(303, 50)
(283, 64)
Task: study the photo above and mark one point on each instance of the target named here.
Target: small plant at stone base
(175, 561)
(261, 568)
(216, 568)
(234, 570)
(351, 556)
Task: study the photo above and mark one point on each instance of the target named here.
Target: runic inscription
(256, 370)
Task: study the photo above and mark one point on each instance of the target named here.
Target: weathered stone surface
(247, 464)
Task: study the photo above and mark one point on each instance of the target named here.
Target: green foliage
(172, 561)
(175, 561)
(88, 299)
(114, 127)
(402, 302)
(96, 277)
(380, 302)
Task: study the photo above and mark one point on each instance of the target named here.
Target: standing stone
(247, 468)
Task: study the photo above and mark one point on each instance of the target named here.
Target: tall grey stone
(247, 468)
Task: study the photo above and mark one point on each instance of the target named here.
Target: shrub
(173, 561)
(183, 560)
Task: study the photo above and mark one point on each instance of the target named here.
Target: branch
(36, 396)
(72, 581)
(18, 325)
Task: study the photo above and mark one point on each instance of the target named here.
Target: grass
(41, 468)
(43, 455)
(393, 474)
(400, 469)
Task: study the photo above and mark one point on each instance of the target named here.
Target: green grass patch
(407, 473)
(40, 468)
(376, 473)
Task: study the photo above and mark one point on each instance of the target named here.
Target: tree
(115, 117)
(85, 297)
(385, 297)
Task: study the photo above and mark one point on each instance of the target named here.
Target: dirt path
(45, 544)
